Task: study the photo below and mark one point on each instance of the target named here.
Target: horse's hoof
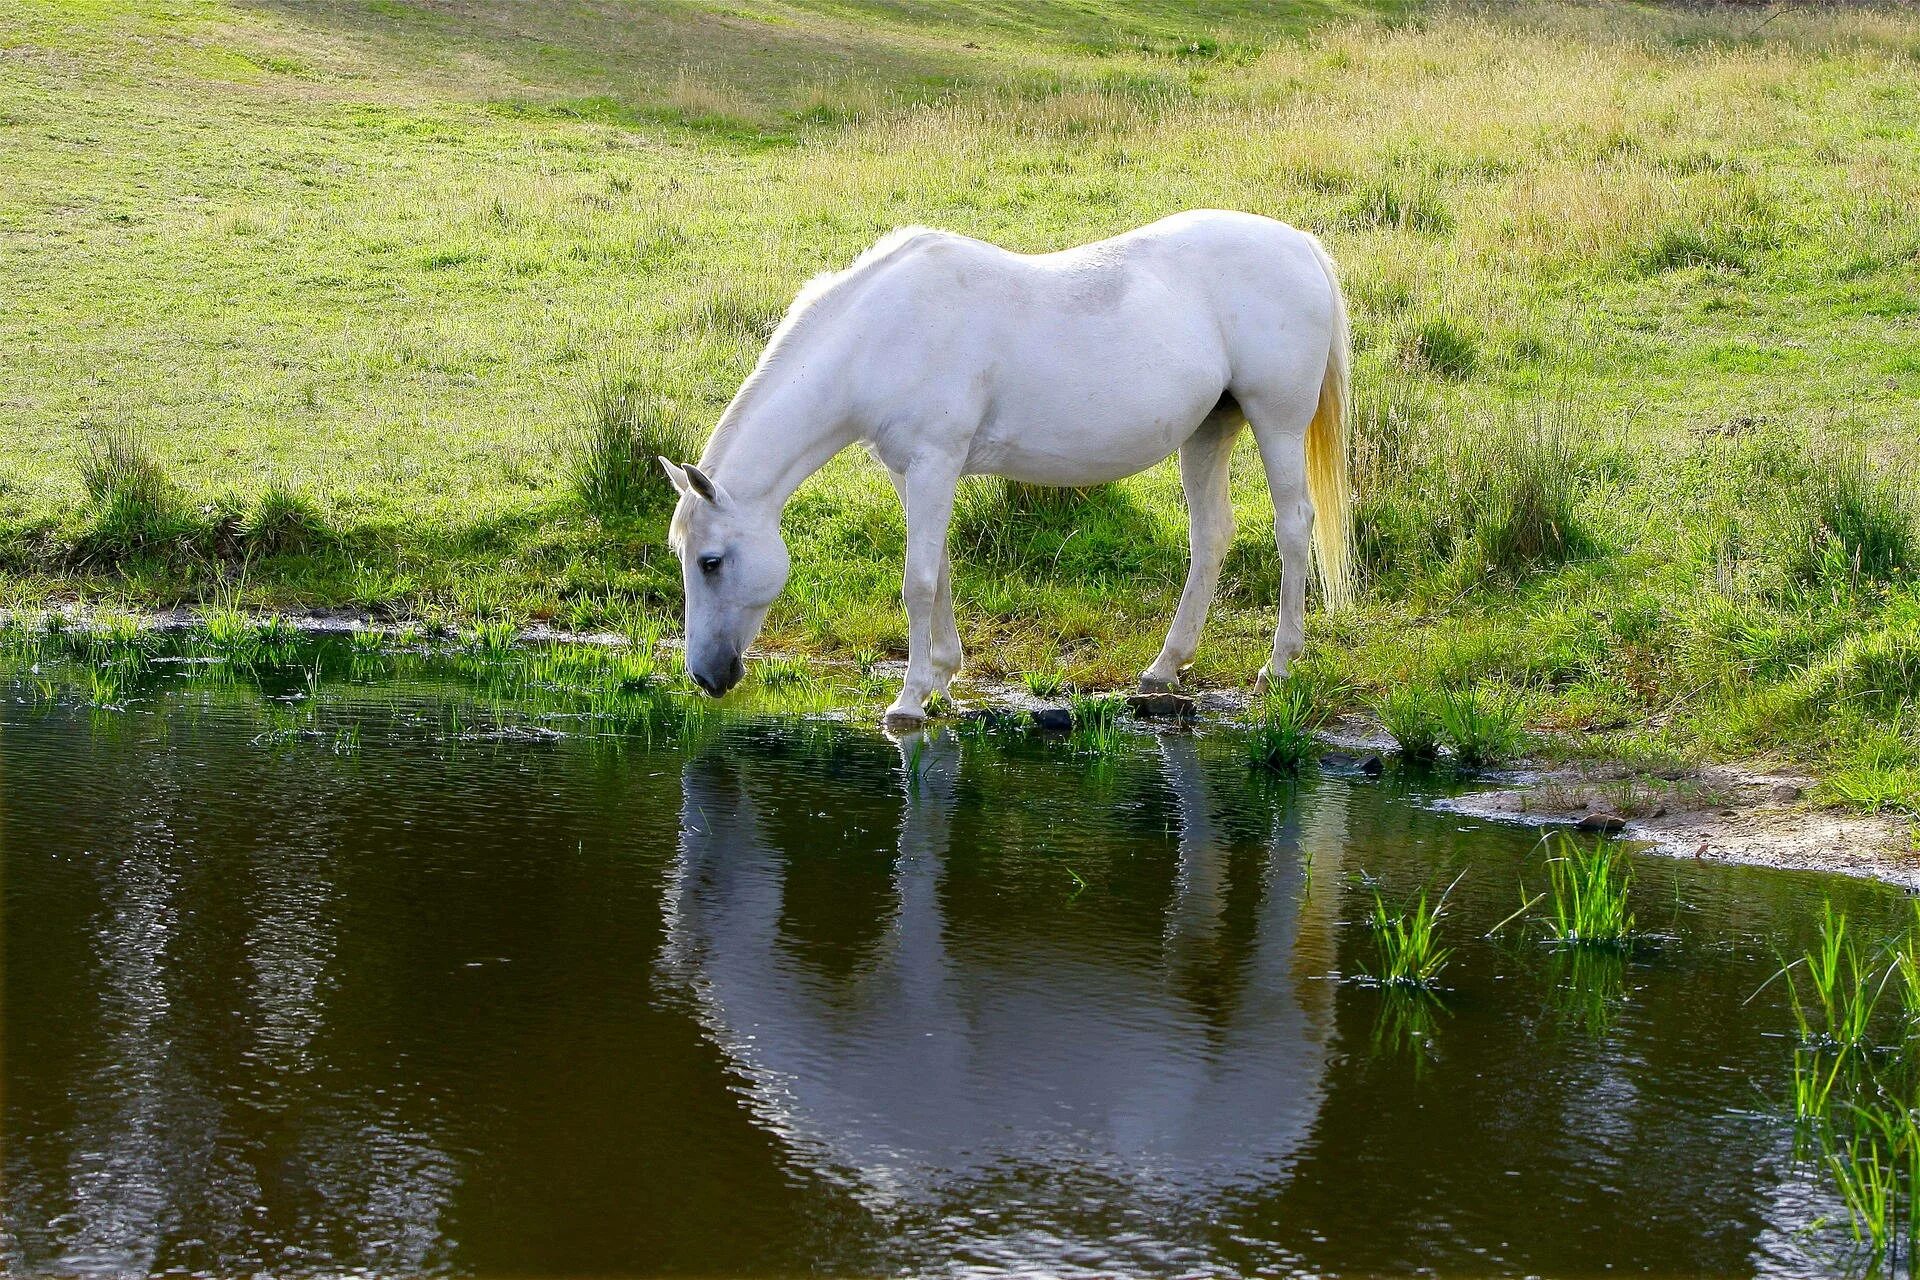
(904, 718)
(1260, 684)
(1149, 685)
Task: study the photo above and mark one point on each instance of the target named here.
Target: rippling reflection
(959, 1056)
(795, 999)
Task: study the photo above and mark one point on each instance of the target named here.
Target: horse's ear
(701, 484)
(676, 474)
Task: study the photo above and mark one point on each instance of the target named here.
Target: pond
(337, 967)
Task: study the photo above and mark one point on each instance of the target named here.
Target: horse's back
(1097, 361)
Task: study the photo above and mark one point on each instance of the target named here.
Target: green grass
(1098, 724)
(1588, 891)
(1411, 717)
(1407, 939)
(1482, 725)
(368, 306)
(1044, 683)
(628, 429)
(1843, 985)
(1282, 737)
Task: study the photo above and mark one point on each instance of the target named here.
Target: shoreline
(1739, 813)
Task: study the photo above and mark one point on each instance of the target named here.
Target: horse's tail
(1327, 445)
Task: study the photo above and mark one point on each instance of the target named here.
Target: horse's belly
(1091, 434)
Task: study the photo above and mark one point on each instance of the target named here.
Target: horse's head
(733, 564)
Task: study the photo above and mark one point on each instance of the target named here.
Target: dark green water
(763, 1004)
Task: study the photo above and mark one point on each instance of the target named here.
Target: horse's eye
(709, 564)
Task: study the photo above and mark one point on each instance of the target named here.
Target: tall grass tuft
(1855, 521)
(1494, 497)
(1482, 725)
(1845, 986)
(1282, 737)
(1050, 683)
(1589, 890)
(1408, 939)
(136, 508)
(1442, 347)
(119, 463)
(284, 521)
(1411, 718)
(493, 640)
(1526, 514)
(1097, 721)
(628, 427)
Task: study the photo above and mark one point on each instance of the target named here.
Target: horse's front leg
(946, 652)
(929, 497)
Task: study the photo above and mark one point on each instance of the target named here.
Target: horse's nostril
(705, 684)
(735, 670)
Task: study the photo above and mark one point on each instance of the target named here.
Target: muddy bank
(1723, 813)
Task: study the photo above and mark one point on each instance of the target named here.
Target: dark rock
(1162, 706)
(1052, 719)
(1372, 766)
(1786, 793)
(1338, 760)
(1604, 824)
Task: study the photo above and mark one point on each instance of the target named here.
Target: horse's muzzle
(723, 677)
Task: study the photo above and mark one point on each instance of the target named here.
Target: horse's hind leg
(1279, 423)
(1204, 467)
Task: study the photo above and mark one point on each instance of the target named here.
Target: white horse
(946, 357)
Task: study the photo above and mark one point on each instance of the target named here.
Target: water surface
(378, 977)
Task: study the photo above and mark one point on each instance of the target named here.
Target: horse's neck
(784, 426)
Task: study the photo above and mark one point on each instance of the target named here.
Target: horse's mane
(815, 298)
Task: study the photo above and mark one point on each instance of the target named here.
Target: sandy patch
(1723, 813)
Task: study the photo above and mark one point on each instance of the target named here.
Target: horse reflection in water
(1000, 1091)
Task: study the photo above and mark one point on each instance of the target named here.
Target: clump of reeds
(783, 673)
(1049, 683)
(1097, 724)
(493, 639)
(1482, 725)
(1408, 940)
(1854, 521)
(1842, 984)
(1590, 889)
(1282, 738)
(284, 521)
(1411, 718)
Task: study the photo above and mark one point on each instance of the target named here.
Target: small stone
(1373, 766)
(1786, 793)
(1052, 719)
(1603, 824)
(1338, 760)
(1162, 706)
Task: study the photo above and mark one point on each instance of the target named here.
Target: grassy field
(363, 304)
